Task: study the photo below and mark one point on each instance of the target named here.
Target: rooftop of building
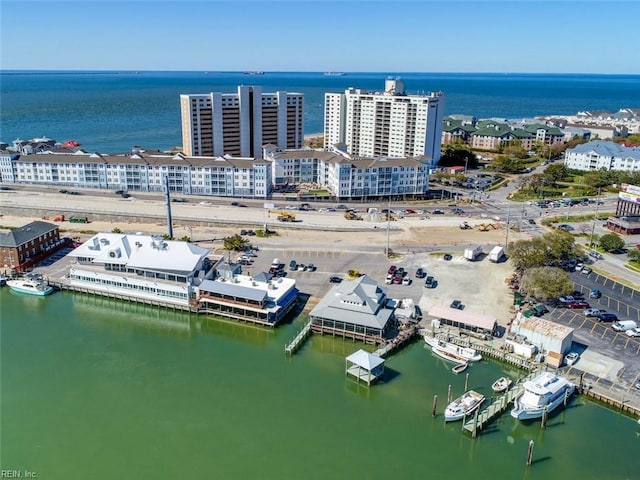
(606, 148)
(26, 233)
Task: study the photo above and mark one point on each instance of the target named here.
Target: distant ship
(254, 72)
(334, 74)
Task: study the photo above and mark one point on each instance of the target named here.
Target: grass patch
(266, 234)
(574, 218)
(321, 193)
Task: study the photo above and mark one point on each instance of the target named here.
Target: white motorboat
(459, 368)
(501, 385)
(452, 352)
(545, 392)
(463, 406)
(31, 286)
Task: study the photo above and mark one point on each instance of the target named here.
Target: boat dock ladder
(293, 346)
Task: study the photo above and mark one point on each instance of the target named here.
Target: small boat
(544, 393)
(333, 74)
(501, 385)
(31, 286)
(461, 367)
(452, 352)
(463, 406)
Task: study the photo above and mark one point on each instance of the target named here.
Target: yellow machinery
(352, 216)
(283, 216)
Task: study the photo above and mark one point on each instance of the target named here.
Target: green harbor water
(101, 389)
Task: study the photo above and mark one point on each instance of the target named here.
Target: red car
(392, 269)
(578, 305)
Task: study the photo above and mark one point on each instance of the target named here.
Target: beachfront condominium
(239, 124)
(389, 123)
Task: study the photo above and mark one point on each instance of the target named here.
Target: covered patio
(365, 366)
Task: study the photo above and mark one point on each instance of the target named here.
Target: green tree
(552, 247)
(634, 256)
(554, 173)
(610, 242)
(506, 164)
(544, 283)
(234, 242)
(534, 183)
(458, 155)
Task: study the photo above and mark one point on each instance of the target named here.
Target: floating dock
(498, 406)
(299, 339)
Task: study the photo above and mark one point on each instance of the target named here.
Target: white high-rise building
(239, 124)
(388, 123)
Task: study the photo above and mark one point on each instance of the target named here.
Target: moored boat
(31, 286)
(501, 385)
(452, 352)
(459, 368)
(543, 393)
(462, 406)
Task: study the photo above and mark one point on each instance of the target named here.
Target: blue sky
(412, 36)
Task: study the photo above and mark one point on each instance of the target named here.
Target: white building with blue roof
(601, 155)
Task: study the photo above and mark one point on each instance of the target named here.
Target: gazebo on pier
(365, 366)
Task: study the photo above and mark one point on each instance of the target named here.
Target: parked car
(392, 270)
(447, 256)
(575, 305)
(586, 271)
(420, 273)
(634, 332)
(567, 299)
(406, 281)
(595, 293)
(396, 280)
(310, 267)
(571, 358)
(437, 211)
(335, 279)
(389, 279)
(540, 310)
(293, 265)
(531, 221)
(579, 267)
(596, 255)
(607, 317)
(457, 304)
(429, 282)
(592, 312)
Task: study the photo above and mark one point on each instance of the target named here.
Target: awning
(454, 315)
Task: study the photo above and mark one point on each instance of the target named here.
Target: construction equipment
(465, 226)
(78, 220)
(349, 215)
(485, 227)
(283, 216)
(58, 218)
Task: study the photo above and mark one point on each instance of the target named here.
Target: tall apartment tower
(239, 124)
(388, 123)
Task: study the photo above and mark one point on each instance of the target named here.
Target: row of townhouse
(603, 155)
(141, 172)
(345, 176)
(491, 134)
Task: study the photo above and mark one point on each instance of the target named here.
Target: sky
(298, 35)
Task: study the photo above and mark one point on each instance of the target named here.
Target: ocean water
(102, 389)
(109, 112)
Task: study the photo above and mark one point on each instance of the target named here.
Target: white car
(389, 279)
(634, 332)
(586, 271)
(571, 358)
(579, 267)
(406, 281)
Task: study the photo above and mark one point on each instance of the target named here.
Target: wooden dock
(498, 406)
(299, 339)
(399, 341)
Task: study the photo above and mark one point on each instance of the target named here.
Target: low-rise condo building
(605, 155)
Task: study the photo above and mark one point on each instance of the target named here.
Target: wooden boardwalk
(299, 339)
(498, 406)
(402, 338)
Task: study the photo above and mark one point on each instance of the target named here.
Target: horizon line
(71, 70)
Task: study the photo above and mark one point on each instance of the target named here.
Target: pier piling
(449, 395)
(530, 453)
(435, 404)
(466, 382)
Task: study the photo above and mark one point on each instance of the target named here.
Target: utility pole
(506, 240)
(593, 225)
(388, 222)
(168, 198)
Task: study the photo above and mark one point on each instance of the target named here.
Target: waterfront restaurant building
(354, 309)
(141, 267)
(261, 299)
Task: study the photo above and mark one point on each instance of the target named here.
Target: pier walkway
(402, 338)
(299, 339)
(498, 406)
